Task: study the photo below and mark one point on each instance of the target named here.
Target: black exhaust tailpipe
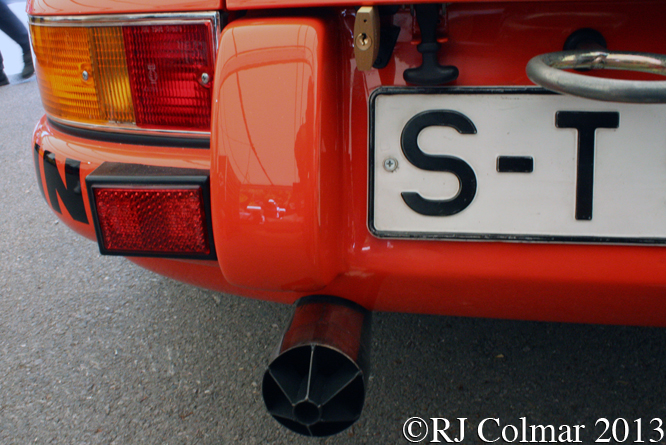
(315, 385)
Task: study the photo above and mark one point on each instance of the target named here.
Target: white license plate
(515, 164)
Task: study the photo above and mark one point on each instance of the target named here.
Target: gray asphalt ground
(95, 350)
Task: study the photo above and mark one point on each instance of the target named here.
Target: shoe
(28, 67)
(3, 79)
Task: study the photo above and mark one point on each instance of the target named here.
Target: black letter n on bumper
(69, 191)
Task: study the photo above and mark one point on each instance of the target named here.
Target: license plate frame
(375, 169)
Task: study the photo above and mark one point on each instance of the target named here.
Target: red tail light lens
(170, 70)
(152, 220)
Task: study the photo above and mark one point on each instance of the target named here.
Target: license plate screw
(390, 164)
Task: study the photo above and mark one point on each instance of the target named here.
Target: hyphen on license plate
(515, 164)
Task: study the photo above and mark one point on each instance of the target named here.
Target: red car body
(288, 163)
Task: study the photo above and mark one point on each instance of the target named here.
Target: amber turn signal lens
(82, 73)
(110, 72)
(65, 73)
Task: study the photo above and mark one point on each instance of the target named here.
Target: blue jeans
(12, 26)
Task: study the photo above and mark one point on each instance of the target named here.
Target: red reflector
(152, 220)
(166, 65)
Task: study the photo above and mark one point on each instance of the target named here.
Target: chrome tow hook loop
(546, 70)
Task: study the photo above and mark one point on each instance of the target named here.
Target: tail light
(177, 94)
(132, 73)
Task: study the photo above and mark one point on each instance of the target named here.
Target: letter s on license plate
(515, 164)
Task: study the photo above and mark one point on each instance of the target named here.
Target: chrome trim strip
(123, 19)
(95, 21)
(113, 127)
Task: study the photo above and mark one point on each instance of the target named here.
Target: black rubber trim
(119, 174)
(134, 139)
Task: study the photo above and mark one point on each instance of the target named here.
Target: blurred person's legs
(12, 26)
(3, 76)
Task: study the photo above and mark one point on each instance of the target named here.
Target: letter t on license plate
(515, 164)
